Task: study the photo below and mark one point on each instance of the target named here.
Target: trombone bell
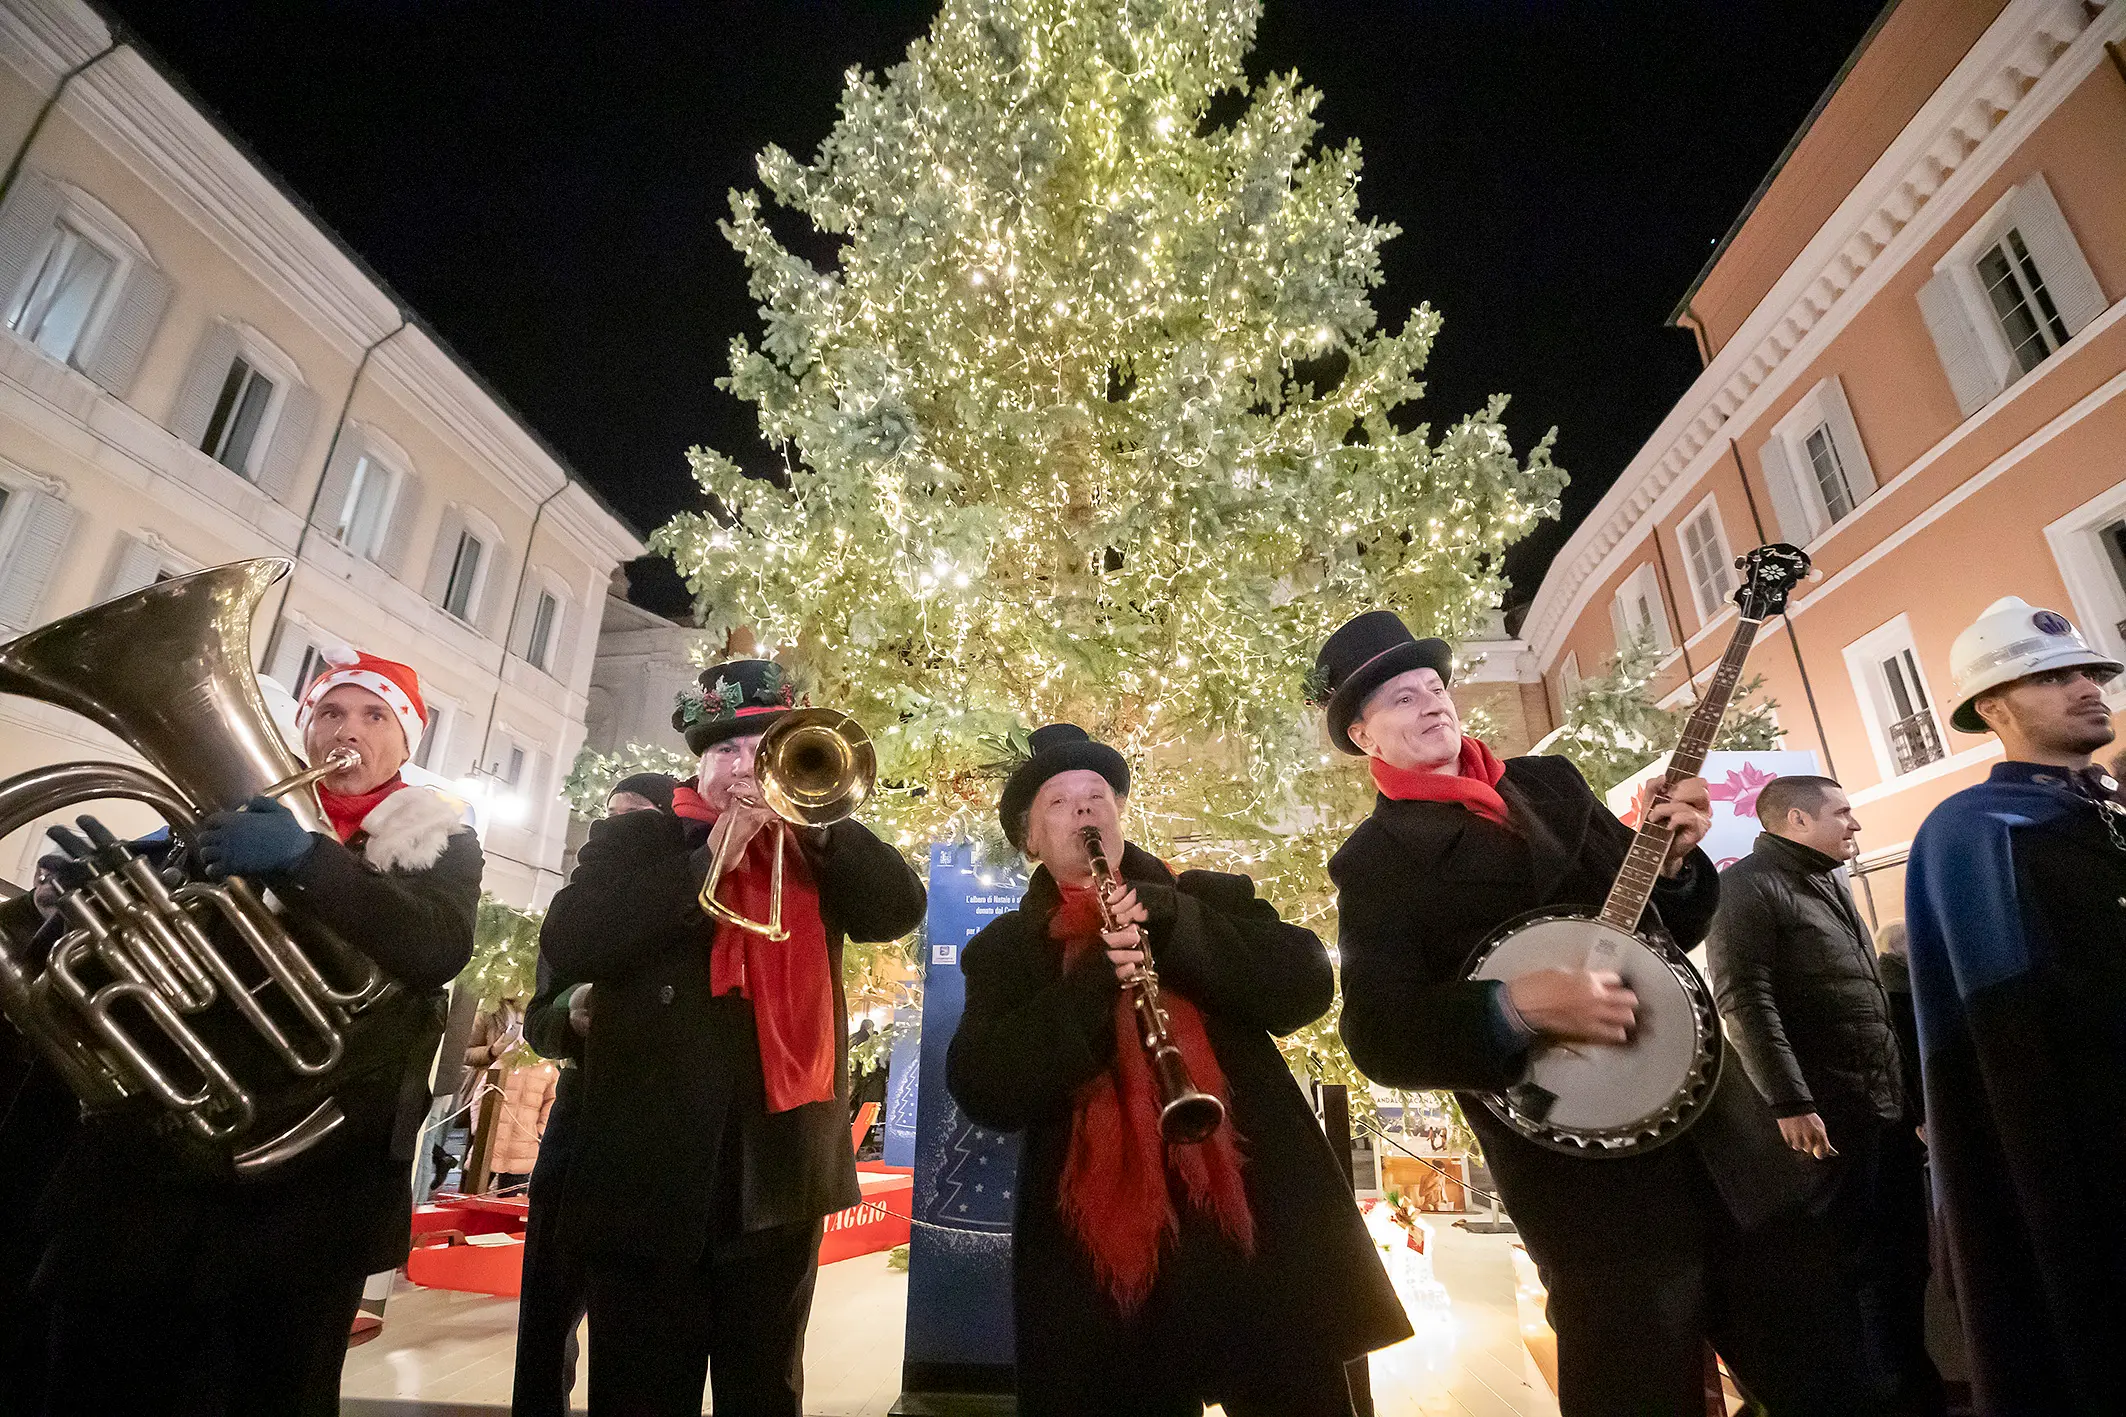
(815, 767)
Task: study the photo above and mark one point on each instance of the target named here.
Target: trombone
(815, 767)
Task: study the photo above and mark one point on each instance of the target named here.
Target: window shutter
(291, 437)
(2075, 293)
(1619, 617)
(491, 612)
(26, 221)
(446, 550)
(1956, 343)
(203, 381)
(405, 513)
(47, 524)
(339, 479)
(527, 607)
(115, 359)
(1788, 509)
(134, 567)
(560, 641)
(1852, 453)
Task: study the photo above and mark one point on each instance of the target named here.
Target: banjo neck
(1649, 848)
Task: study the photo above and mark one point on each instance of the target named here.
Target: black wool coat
(1032, 1035)
(1421, 885)
(675, 1148)
(132, 1205)
(1794, 972)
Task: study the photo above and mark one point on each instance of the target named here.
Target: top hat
(1057, 748)
(739, 696)
(1366, 653)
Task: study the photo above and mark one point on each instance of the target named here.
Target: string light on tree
(1092, 419)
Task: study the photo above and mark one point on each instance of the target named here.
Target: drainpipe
(22, 151)
(1823, 740)
(317, 490)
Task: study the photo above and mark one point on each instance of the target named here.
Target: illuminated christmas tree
(1613, 726)
(1092, 419)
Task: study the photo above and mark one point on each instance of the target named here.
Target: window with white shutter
(136, 564)
(1638, 612)
(2009, 294)
(546, 614)
(1707, 559)
(1904, 727)
(35, 527)
(65, 289)
(1816, 464)
(76, 281)
(461, 587)
(1569, 679)
(239, 413)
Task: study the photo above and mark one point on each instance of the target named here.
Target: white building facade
(193, 371)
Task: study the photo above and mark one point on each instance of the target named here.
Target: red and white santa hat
(396, 684)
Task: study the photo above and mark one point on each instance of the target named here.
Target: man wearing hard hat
(2015, 907)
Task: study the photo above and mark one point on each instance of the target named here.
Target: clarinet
(1186, 1114)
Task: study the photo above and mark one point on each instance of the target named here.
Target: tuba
(157, 989)
(815, 767)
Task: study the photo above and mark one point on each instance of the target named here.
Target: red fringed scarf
(347, 813)
(1476, 788)
(1115, 1195)
(790, 982)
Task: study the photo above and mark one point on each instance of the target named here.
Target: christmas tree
(1613, 726)
(1092, 419)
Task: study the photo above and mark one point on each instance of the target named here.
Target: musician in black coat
(1646, 1257)
(175, 1286)
(714, 1132)
(1149, 1279)
(556, 1294)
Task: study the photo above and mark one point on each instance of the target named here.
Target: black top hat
(1058, 748)
(736, 697)
(1366, 653)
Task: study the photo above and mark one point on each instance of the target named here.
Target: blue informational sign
(903, 1074)
(959, 1256)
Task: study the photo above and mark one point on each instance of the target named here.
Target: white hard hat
(2011, 640)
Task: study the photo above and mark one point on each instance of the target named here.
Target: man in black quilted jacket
(1795, 974)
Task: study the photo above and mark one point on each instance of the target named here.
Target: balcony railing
(1915, 742)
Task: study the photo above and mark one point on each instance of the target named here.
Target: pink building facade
(1915, 346)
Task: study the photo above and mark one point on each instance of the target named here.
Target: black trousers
(1876, 1208)
(555, 1295)
(1773, 1302)
(250, 1335)
(736, 1317)
(1317, 1390)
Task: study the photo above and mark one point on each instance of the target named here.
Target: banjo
(1592, 1099)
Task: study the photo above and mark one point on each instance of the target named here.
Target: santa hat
(396, 684)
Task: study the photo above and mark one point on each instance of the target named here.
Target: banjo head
(1591, 1099)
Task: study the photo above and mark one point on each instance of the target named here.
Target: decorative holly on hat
(396, 684)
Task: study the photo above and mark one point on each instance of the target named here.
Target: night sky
(543, 181)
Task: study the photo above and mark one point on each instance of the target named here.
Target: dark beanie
(656, 787)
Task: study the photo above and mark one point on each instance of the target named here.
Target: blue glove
(261, 839)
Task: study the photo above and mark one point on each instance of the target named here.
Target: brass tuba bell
(193, 994)
(815, 767)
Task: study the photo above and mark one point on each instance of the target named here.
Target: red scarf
(1115, 1194)
(347, 813)
(789, 982)
(1476, 788)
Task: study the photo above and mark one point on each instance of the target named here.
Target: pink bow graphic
(1742, 788)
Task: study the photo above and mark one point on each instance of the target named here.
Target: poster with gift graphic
(1733, 780)
(959, 1254)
